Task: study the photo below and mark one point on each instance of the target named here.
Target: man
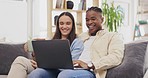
(102, 50)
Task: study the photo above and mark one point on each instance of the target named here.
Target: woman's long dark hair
(72, 34)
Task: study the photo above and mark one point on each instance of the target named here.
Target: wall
(39, 18)
(13, 20)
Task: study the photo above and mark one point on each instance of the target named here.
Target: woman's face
(65, 26)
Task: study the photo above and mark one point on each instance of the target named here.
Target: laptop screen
(53, 54)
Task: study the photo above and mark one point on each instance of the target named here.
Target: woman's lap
(43, 73)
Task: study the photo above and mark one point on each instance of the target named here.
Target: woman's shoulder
(77, 43)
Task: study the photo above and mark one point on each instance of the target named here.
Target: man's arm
(114, 55)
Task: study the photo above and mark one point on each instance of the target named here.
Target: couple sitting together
(102, 49)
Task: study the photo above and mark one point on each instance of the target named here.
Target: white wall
(13, 20)
(128, 31)
(39, 18)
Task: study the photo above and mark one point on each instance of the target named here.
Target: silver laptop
(53, 54)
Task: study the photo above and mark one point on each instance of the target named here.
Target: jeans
(43, 73)
(76, 74)
(66, 73)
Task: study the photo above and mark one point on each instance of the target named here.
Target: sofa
(133, 65)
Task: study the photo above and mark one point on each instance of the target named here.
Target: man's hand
(79, 63)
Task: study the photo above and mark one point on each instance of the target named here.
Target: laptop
(53, 54)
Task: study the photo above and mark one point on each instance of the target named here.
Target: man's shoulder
(115, 35)
(112, 33)
(83, 36)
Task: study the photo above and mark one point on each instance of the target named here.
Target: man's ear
(102, 19)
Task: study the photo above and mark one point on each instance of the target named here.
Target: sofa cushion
(8, 52)
(133, 61)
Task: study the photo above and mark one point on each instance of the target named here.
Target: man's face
(93, 22)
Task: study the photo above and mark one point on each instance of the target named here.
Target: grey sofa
(134, 64)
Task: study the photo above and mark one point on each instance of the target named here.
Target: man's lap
(66, 73)
(76, 74)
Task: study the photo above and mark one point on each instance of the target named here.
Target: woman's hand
(34, 64)
(79, 63)
(39, 39)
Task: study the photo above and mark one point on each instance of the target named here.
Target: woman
(65, 30)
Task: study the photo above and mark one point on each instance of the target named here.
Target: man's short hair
(97, 9)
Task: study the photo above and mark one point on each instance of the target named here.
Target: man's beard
(94, 33)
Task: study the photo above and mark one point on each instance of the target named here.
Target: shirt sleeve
(114, 56)
(76, 48)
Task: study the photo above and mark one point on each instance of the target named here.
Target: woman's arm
(76, 48)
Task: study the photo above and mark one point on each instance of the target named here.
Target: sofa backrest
(8, 52)
(133, 61)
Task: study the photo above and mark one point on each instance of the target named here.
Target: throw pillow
(133, 61)
(8, 52)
